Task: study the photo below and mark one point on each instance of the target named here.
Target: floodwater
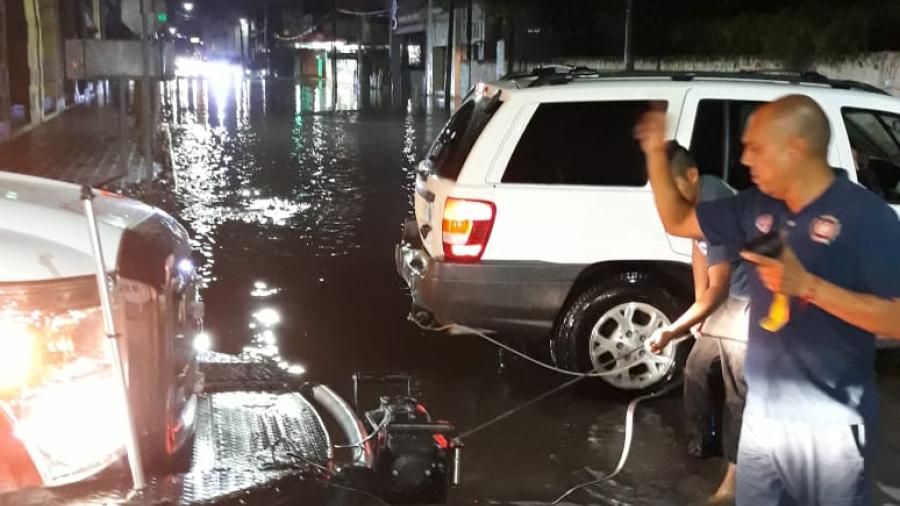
(294, 211)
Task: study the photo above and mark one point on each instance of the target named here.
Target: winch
(413, 455)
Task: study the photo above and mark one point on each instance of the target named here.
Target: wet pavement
(295, 210)
(81, 145)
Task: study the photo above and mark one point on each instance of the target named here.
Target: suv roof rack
(563, 74)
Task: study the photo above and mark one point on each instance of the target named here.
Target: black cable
(629, 418)
(578, 377)
(629, 424)
(518, 408)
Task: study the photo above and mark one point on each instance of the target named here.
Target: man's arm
(878, 315)
(677, 215)
(869, 312)
(715, 292)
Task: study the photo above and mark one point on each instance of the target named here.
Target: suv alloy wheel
(606, 327)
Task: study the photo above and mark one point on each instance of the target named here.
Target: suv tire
(613, 316)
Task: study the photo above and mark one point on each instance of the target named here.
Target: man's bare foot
(724, 496)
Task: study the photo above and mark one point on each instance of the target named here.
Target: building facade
(33, 85)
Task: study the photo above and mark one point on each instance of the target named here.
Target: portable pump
(413, 453)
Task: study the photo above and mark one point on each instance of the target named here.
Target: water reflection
(223, 127)
(261, 289)
(264, 341)
(410, 160)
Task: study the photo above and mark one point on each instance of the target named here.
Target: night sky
(789, 30)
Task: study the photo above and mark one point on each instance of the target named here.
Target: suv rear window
(580, 143)
(452, 146)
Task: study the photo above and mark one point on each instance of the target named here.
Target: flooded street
(294, 212)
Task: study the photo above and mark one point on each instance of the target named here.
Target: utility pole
(429, 51)
(5, 99)
(123, 126)
(448, 67)
(147, 109)
(510, 47)
(242, 28)
(266, 46)
(334, 81)
(469, 42)
(629, 14)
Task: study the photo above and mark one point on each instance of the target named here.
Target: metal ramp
(256, 438)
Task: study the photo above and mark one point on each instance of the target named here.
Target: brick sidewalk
(81, 145)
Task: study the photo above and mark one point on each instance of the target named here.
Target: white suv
(534, 214)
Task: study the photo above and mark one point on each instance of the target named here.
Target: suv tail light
(467, 226)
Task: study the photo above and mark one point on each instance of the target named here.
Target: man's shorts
(799, 464)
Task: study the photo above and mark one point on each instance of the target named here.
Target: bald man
(811, 408)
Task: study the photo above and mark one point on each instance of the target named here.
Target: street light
(173, 30)
(189, 6)
(244, 22)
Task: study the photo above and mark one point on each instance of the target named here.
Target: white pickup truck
(59, 421)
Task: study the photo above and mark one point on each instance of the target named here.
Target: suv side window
(716, 139)
(580, 143)
(875, 141)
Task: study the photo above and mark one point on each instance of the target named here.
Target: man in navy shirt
(811, 404)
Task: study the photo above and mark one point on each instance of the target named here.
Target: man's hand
(785, 275)
(660, 339)
(651, 132)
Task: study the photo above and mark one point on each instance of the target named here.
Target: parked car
(59, 418)
(533, 212)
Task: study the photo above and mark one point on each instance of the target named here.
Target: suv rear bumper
(501, 296)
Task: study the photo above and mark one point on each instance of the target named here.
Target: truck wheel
(606, 325)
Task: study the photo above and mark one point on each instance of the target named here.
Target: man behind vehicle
(811, 408)
(720, 287)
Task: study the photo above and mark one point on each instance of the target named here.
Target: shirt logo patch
(825, 229)
(764, 223)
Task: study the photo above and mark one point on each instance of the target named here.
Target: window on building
(415, 55)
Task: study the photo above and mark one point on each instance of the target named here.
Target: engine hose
(596, 372)
(626, 445)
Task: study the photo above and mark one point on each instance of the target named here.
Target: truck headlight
(57, 385)
(42, 347)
